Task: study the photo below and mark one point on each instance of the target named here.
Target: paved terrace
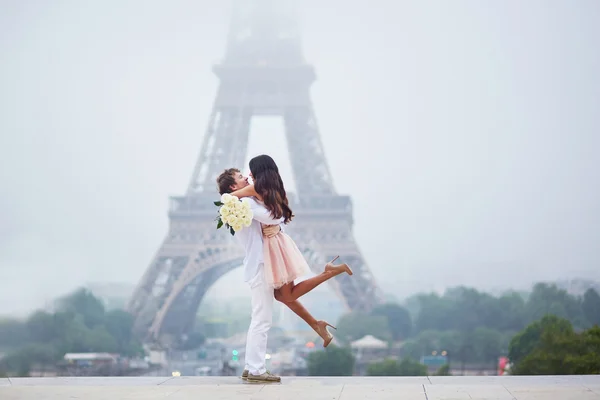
(310, 388)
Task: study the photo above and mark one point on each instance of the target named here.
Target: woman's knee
(278, 295)
(283, 298)
(287, 298)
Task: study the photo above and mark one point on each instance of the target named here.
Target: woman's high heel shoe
(324, 332)
(338, 269)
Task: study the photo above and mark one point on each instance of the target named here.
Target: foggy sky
(466, 133)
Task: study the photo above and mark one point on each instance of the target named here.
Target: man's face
(240, 181)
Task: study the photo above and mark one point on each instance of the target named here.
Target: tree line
(79, 324)
(472, 327)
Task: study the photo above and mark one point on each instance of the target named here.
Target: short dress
(283, 261)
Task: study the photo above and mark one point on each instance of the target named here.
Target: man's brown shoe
(266, 378)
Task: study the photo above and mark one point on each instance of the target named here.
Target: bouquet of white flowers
(233, 213)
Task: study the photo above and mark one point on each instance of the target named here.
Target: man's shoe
(266, 378)
(245, 374)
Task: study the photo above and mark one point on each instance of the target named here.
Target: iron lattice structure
(263, 73)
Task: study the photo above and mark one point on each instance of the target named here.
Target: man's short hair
(226, 180)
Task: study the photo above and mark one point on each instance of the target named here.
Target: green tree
(79, 325)
(487, 344)
(398, 318)
(548, 299)
(466, 349)
(451, 342)
(526, 341)
(412, 349)
(588, 360)
(429, 341)
(434, 313)
(470, 308)
(561, 351)
(72, 336)
(23, 359)
(119, 325)
(84, 303)
(98, 340)
(456, 344)
(333, 361)
(391, 367)
(464, 309)
(511, 315)
(388, 367)
(355, 325)
(41, 327)
(591, 306)
(409, 367)
(13, 333)
(444, 370)
(506, 339)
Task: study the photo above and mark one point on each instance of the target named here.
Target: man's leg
(262, 317)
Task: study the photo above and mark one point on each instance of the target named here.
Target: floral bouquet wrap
(234, 213)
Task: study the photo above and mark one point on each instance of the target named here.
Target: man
(261, 294)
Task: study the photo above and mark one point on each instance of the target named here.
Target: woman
(283, 261)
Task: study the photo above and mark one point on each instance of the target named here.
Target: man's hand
(270, 230)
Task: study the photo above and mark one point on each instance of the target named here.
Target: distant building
(91, 359)
(577, 287)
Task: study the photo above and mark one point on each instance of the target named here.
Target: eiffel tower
(263, 73)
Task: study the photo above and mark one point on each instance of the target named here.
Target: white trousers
(262, 317)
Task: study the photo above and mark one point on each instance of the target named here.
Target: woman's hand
(270, 230)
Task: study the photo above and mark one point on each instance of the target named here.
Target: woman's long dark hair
(268, 184)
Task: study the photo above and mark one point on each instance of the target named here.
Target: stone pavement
(310, 388)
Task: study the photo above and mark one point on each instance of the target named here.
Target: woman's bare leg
(298, 309)
(290, 291)
(320, 327)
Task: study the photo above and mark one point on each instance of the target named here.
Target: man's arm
(262, 215)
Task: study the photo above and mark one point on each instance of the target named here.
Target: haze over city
(466, 135)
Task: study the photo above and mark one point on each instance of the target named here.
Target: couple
(272, 261)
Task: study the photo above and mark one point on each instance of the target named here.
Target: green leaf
(220, 224)
(218, 203)
(231, 231)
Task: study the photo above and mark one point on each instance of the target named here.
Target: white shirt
(252, 238)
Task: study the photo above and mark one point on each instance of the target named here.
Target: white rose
(247, 221)
(237, 227)
(226, 198)
(234, 199)
(224, 211)
(246, 204)
(233, 220)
